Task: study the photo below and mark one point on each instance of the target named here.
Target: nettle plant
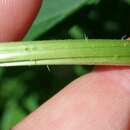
(66, 52)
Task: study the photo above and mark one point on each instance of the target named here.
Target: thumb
(16, 16)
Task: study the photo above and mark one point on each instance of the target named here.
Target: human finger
(16, 16)
(97, 101)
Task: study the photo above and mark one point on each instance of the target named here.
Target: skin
(96, 101)
(16, 17)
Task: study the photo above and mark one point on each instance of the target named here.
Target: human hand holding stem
(97, 101)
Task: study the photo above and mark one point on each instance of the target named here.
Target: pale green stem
(65, 52)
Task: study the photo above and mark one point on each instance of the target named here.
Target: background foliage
(23, 89)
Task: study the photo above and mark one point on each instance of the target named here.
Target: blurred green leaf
(127, 1)
(81, 70)
(9, 88)
(53, 12)
(77, 33)
(31, 103)
(12, 114)
(2, 70)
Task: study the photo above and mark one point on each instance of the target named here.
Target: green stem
(67, 52)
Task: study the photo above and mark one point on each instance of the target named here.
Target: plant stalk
(65, 52)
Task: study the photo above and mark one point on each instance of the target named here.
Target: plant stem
(65, 52)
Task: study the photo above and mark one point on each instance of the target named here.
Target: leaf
(77, 33)
(31, 102)
(9, 87)
(127, 1)
(54, 12)
(12, 114)
(81, 70)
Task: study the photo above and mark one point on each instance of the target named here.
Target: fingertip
(16, 16)
(119, 74)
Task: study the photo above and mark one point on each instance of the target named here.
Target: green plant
(66, 52)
